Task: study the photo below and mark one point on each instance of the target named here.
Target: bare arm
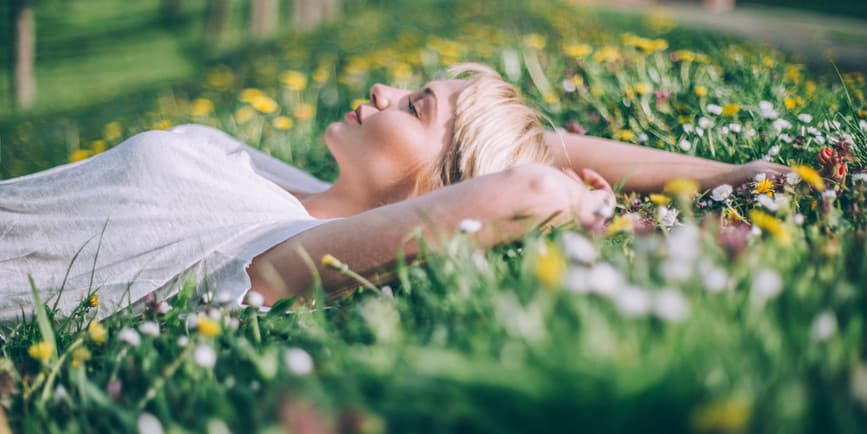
(643, 169)
(507, 203)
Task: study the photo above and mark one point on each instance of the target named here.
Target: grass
(706, 325)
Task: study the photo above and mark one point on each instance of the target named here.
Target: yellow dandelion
(729, 415)
(772, 225)
(577, 50)
(93, 300)
(684, 55)
(112, 131)
(765, 186)
(606, 54)
(792, 103)
(682, 188)
(659, 44)
(304, 112)
(659, 199)
(731, 109)
(321, 74)
(97, 146)
(78, 155)
(551, 98)
(163, 124)
(400, 71)
(208, 326)
(550, 265)
(642, 88)
(265, 104)
(80, 355)
(201, 107)
(577, 80)
(700, 91)
(810, 176)
(624, 135)
(793, 74)
(282, 123)
(328, 260)
(97, 332)
(294, 80)
(810, 87)
(41, 351)
(535, 40)
(220, 77)
(733, 215)
(244, 115)
(620, 224)
(770, 63)
(250, 94)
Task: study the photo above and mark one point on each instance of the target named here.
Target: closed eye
(412, 108)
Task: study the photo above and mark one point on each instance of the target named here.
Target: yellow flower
(304, 112)
(244, 115)
(112, 131)
(768, 62)
(733, 215)
(810, 176)
(624, 135)
(659, 199)
(93, 301)
(551, 98)
(659, 44)
(682, 188)
(772, 225)
(265, 104)
(810, 87)
(729, 415)
(793, 74)
(577, 50)
(78, 155)
(700, 91)
(201, 107)
(607, 53)
(731, 110)
(97, 332)
(79, 355)
(793, 103)
(294, 80)
(535, 40)
(642, 88)
(684, 55)
(208, 326)
(550, 265)
(282, 123)
(619, 224)
(328, 260)
(400, 71)
(220, 77)
(163, 124)
(41, 351)
(764, 186)
(250, 94)
(321, 74)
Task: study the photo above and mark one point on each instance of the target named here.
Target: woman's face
(384, 146)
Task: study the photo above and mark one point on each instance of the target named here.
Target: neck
(343, 201)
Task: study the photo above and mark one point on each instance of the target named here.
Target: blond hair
(493, 129)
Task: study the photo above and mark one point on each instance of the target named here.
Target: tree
(263, 19)
(24, 52)
(216, 24)
(307, 14)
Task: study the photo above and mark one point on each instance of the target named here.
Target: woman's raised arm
(508, 204)
(644, 169)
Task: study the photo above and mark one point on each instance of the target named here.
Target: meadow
(738, 309)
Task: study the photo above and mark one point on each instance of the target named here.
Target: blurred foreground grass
(736, 310)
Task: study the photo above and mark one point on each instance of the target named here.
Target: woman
(195, 202)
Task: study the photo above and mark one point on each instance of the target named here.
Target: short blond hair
(493, 129)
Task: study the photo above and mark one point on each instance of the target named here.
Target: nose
(381, 96)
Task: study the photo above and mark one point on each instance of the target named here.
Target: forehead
(446, 92)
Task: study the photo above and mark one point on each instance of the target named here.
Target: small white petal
(766, 284)
(149, 328)
(255, 299)
(633, 302)
(130, 337)
(670, 305)
(183, 341)
(205, 356)
(721, 192)
(735, 128)
(685, 145)
(767, 202)
(805, 118)
(149, 424)
(792, 178)
(824, 326)
(704, 122)
(298, 361)
(714, 109)
(579, 248)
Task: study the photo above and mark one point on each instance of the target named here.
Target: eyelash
(411, 107)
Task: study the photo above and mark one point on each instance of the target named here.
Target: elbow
(536, 185)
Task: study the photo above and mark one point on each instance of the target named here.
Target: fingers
(594, 179)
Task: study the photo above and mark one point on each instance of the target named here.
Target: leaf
(42, 318)
(282, 306)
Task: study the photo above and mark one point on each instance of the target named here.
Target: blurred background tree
(23, 35)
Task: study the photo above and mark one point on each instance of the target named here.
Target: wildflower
(642, 88)
(688, 128)
(785, 138)
(735, 128)
(798, 219)
(805, 118)
(730, 110)
(810, 176)
(331, 262)
(130, 337)
(79, 356)
(824, 326)
(577, 50)
(714, 109)
(772, 225)
(265, 104)
(764, 186)
(705, 123)
(162, 124)
(578, 248)
(78, 155)
(255, 299)
(163, 307)
(112, 131)
(667, 216)
(201, 107)
(93, 300)
(250, 94)
(183, 341)
(41, 351)
(60, 393)
(781, 124)
(728, 415)
(659, 199)
(298, 361)
(681, 187)
(721, 192)
(470, 226)
(700, 91)
(304, 112)
(535, 40)
(670, 305)
(684, 145)
(619, 224)
(149, 328)
(633, 302)
(205, 356)
(766, 284)
(713, 278)
(550, 265)
(766, 109)
(568, 86)
(244, 115)
(683, 56)
(859, 177)
(97, 332)
(282, 123)
(604, 279)
(606, 54)
(207, 326)
(643, 138)
(624, 135)
(294, 80)
(767, 202)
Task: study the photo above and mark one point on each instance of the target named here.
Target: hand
(590, 207)
(748, 171)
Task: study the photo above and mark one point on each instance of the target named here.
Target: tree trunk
(217, 22)
(263, 19)
(25, 53)
(307, 14)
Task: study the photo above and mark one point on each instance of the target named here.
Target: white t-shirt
(191, 202)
